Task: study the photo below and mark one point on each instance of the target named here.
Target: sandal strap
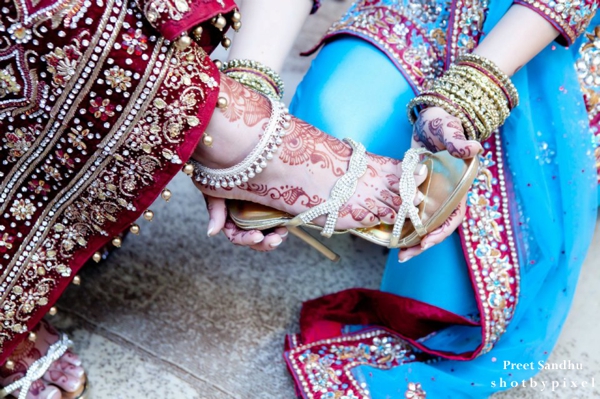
(341, 192)
(408, 190)
(38, 368)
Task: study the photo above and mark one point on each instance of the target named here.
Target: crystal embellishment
(408, 190)
(340, 193)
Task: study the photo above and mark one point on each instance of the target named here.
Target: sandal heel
(313, 242)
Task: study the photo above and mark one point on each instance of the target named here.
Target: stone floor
(176, 315)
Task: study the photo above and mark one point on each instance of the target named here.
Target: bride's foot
(65, 379)
(303, 169)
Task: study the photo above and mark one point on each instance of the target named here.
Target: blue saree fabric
(353, 89)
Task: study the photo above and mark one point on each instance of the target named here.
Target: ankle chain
(256, 161)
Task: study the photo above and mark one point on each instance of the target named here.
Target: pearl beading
(341, 192)
(408, 190)
(256, 161)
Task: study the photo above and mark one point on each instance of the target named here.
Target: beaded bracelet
(256, 76)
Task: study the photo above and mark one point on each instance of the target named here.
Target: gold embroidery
(8, 82)
(155, 10)
(62, 62)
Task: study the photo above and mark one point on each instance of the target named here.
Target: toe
(68, 368)
(352, 215)
(41, 390)
(419, 197)
(420, 174)
(72, 358)
(63, 380)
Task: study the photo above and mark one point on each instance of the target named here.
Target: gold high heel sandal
(448, 181)
(38, 368)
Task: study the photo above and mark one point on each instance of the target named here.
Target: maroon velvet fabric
(108, 178)
(324, 317)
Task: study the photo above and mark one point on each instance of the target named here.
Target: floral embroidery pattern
(6, 242)
(18, 143)
(77, 138)
(64, 159)
(39, 187)
(62, 63)
(411, 32)
(19, 33)
(102, 108)
(324, 367)
(22, 209)
(8, 82)
(135, 42)
(116, 94)
(166, 9)
(118, 78)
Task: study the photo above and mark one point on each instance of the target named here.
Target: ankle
(235, 127)
(226, 149)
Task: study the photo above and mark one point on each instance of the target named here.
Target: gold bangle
(476, 91)
(497, 72)
(489, 87)
(256, 76)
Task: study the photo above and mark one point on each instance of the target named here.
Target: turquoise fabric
(353, 90)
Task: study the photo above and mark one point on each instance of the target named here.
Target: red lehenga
(98, 111)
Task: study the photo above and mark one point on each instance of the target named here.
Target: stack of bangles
(475, 91)
(256, 76)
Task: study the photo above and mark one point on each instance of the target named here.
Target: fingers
(436, 236)
(456, 142)
(415, 141)
(237, 236)
(449, 226)
(437, 130)
(217, 214)
(272, 240)
(255, 239)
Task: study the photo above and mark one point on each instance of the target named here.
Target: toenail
(405, 259)
(275, 244)
(419, 198)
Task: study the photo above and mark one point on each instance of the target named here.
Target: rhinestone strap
(340, 193)
(256, 161)
(38, 368)
(408, 190)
